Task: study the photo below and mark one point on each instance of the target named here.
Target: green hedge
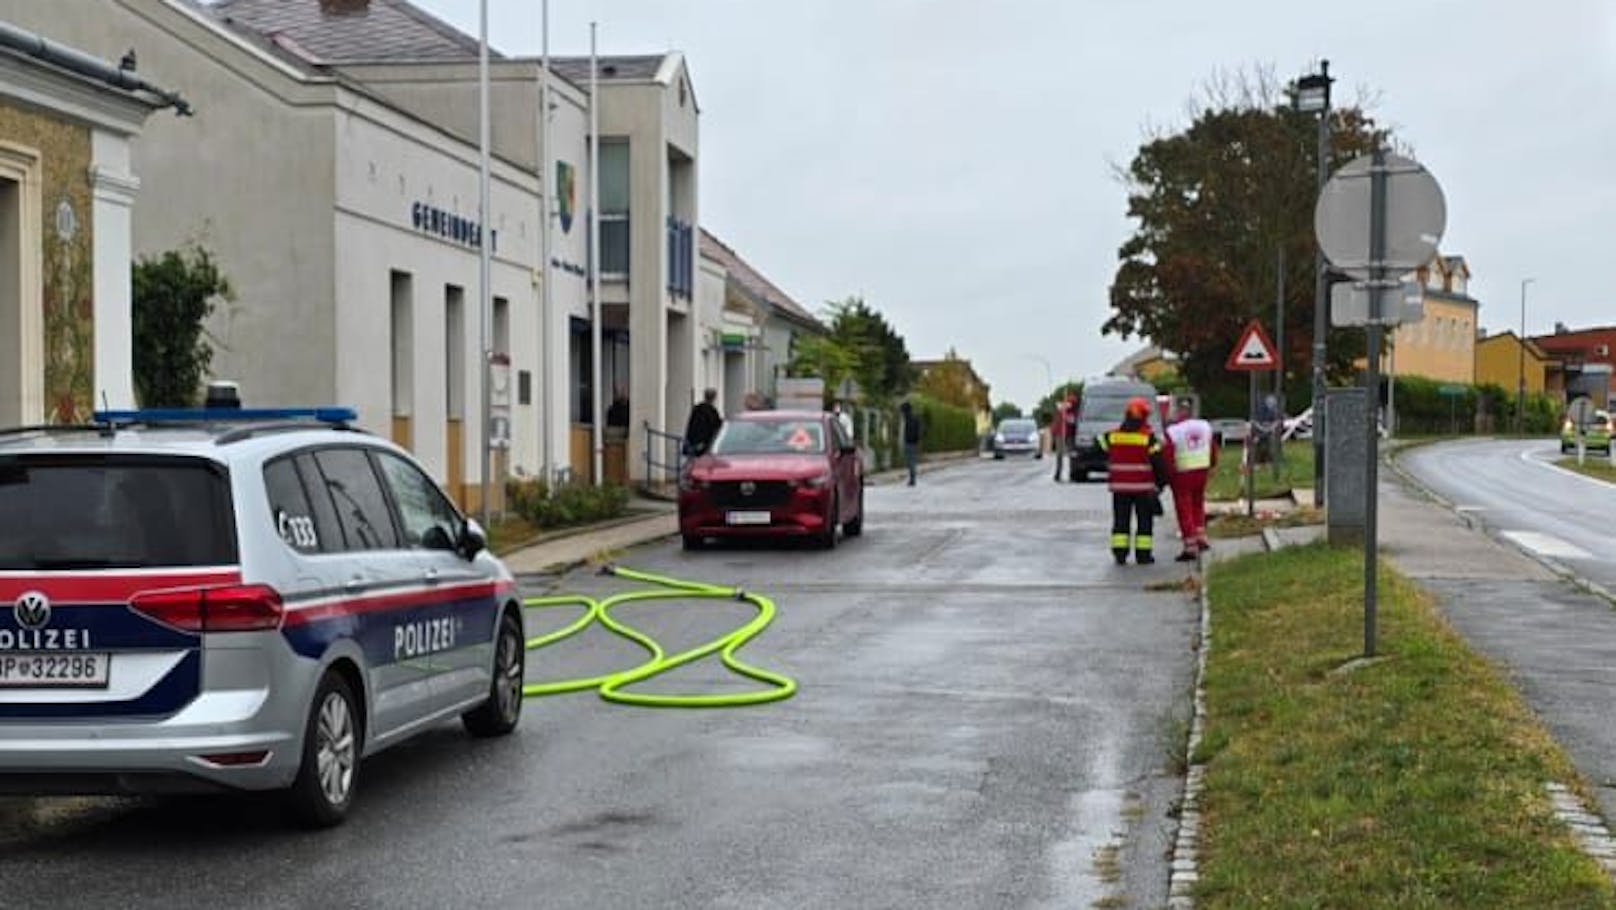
(1422, 408)
(572, 504)
(944, 427)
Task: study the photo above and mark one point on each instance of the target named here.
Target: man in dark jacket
(911, 439)
(703, 425)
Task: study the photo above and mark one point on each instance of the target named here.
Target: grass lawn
(1296, 471)
(1413, 782)
(1597, 466)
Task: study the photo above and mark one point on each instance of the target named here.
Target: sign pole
(1377, 312)
(1251, 449)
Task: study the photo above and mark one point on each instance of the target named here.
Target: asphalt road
(1515, 490)
(988, 716)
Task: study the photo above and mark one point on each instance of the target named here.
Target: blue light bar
(226, 415)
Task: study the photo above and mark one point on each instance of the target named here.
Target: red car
(774, 473)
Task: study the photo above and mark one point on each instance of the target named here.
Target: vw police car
(249, 599)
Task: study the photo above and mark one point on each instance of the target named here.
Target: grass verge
(1416, 781)
(1239, 525)
(510, 532)
(1296, 470)
(1597, 467)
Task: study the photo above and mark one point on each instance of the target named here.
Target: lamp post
(1520, 387)
(1311, 94)
(1049, 374)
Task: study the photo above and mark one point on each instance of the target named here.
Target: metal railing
(664, 453)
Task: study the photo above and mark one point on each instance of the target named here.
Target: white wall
(113, 219)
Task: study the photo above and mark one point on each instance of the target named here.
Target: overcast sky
(948, 159)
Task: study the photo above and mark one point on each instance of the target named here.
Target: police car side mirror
(437, 538)
(472, 539)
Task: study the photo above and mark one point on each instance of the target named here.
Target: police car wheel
(324, 789)
(499, 714)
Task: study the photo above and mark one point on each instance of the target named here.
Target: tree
(172, 295)
(861, 345)
(1215, 204)
(1006, 410)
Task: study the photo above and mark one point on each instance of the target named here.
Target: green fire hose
(612, 686)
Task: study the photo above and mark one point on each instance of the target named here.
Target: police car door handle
(430, 576)
(354, 584)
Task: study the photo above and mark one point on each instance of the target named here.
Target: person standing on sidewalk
(1133, 456)
(911, 439)
(1192, 453)
(703, 424)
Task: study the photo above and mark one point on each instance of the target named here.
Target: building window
(454, 351)
(502, 326)
(614, 207)
(403, 343)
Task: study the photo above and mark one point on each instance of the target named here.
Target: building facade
(760, 325)
(67, 190)
(1504, 360)
(1441, 346)
(1587, 357)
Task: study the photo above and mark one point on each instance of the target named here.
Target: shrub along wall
(1422, 408)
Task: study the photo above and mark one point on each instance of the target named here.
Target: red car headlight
(813, 483)
(691, 484)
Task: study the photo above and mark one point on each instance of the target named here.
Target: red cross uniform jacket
(1134, 456)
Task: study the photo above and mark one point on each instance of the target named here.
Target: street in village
(991, 714)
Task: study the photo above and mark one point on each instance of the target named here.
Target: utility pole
(1520, 387)
(546, 212)
(595, 310)
(485, 240)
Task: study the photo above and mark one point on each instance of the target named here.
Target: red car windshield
(770, 437)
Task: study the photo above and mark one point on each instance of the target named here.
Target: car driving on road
(254, 600)
(1596, 436)
(774, 473)
(1017, 436)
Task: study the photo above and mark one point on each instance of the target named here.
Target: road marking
(1547, 545)
(1469, 508)
(1526, 456)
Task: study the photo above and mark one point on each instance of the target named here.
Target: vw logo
(32, 610)
(748, 488)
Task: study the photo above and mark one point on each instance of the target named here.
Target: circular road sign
(1416, 214)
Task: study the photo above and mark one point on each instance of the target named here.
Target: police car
(237, 599)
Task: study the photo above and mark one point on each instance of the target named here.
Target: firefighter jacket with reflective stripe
(1131, 456)
(1191, 442)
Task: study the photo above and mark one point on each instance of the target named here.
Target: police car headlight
(998, 438)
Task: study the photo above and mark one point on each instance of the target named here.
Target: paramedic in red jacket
(1133, 455)
(1192, 453)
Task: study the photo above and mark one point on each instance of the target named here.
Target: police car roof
(183, 431)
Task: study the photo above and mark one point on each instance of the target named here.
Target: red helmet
(1138, 409)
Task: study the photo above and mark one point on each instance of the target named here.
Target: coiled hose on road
(611, 686)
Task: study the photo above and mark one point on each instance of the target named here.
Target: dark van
(1100, 410)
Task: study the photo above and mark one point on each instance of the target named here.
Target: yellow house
(1500, 359)
(1441, 346)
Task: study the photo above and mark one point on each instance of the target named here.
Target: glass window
(114, 512)
(614, 180)
(291, 511)
(429, 521)
(321, 507)
(770, 437)
(367, 524)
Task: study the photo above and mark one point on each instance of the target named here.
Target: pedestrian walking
(843, 418)
(703, 424)
(1137, 472)
(1191, 454)
(911, 439)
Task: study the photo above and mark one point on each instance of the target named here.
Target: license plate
(54, 671)
(748, 518)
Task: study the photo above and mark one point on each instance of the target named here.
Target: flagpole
(485, 240)
(594, 255)
(546, 209)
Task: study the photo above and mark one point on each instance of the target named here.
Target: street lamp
(1311, 94)
(1520, 388)
(1049, 374)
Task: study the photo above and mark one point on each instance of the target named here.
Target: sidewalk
(1557, 643)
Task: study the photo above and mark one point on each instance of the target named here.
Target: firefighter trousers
(1133, 519)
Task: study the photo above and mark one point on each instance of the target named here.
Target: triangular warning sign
(1254, 352)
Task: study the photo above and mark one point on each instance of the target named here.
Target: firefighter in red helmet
(1137, 472)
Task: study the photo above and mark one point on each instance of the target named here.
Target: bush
(1422, 408)
(944, 427)
(564, 506)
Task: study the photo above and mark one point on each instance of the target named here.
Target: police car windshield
(1104, 409)
(770, 437)
(113, 512)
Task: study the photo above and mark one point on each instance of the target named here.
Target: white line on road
(1526, 456)
(1547, 545)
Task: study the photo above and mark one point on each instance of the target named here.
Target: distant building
(1147, 364)
(954, 381)
(1441, 346)
(1503, 359)
(1587, 358)
(760, 324)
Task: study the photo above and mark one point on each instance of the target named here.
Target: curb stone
(1185, 869)
(1592, 836)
